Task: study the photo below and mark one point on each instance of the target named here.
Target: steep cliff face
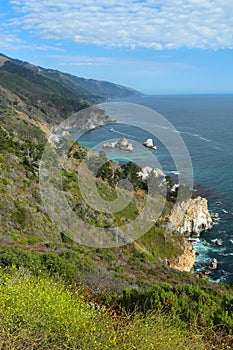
(191, 217)
(186, 261)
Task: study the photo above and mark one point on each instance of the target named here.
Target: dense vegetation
(41, 314)
(162, 298)
(56, 294)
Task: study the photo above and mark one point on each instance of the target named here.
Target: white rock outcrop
(190, 217)
(149, 143)
(123, 144)
(147, 170)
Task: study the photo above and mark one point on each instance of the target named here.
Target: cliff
(190, 217)
(186, 261)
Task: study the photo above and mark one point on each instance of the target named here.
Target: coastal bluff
(87, 119)
(189, 218)
(185, 261)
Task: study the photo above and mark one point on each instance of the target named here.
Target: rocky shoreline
(189, 219)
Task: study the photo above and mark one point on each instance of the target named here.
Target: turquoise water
(206, 126)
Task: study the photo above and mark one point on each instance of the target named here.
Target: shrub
(45, 263)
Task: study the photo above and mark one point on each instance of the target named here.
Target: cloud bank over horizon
(152, 24)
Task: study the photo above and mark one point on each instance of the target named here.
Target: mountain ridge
(47, 96)
(81, 86)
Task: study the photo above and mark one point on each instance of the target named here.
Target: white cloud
(160, 65)
(157, 24)
(10, 41)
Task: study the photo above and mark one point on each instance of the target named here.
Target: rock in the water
(124, 145)
(149, 143)
(218, 242)
(110, 145)
(213, 265)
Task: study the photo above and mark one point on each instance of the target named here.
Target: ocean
(205, 122)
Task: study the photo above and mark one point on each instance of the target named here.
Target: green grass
(157, 245)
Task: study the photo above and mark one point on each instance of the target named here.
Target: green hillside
(94, 90)
(57, 294)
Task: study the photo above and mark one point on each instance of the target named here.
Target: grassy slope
(30, 241)
(94, 90)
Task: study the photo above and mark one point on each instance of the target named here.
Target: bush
(45, 263)
(187, 303)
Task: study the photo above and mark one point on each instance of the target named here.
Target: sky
(154, 46)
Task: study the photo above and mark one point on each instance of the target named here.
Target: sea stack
(149, 144)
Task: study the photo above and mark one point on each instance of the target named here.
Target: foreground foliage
(41, 314)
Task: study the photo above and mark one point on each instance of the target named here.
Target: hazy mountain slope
(38, 96)
(48, 96)
(97, 88)
(91, 89)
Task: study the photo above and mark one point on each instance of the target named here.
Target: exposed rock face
(186, 261)
(190, 217)
(123, 144)
(146, 171)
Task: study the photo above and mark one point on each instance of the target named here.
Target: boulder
(124, 145)
(110, 145)
(218, 242)
(213, 264)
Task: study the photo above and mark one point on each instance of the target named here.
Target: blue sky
(155, 46)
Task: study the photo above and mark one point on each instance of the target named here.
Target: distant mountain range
(49, 96)
(80, 87)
